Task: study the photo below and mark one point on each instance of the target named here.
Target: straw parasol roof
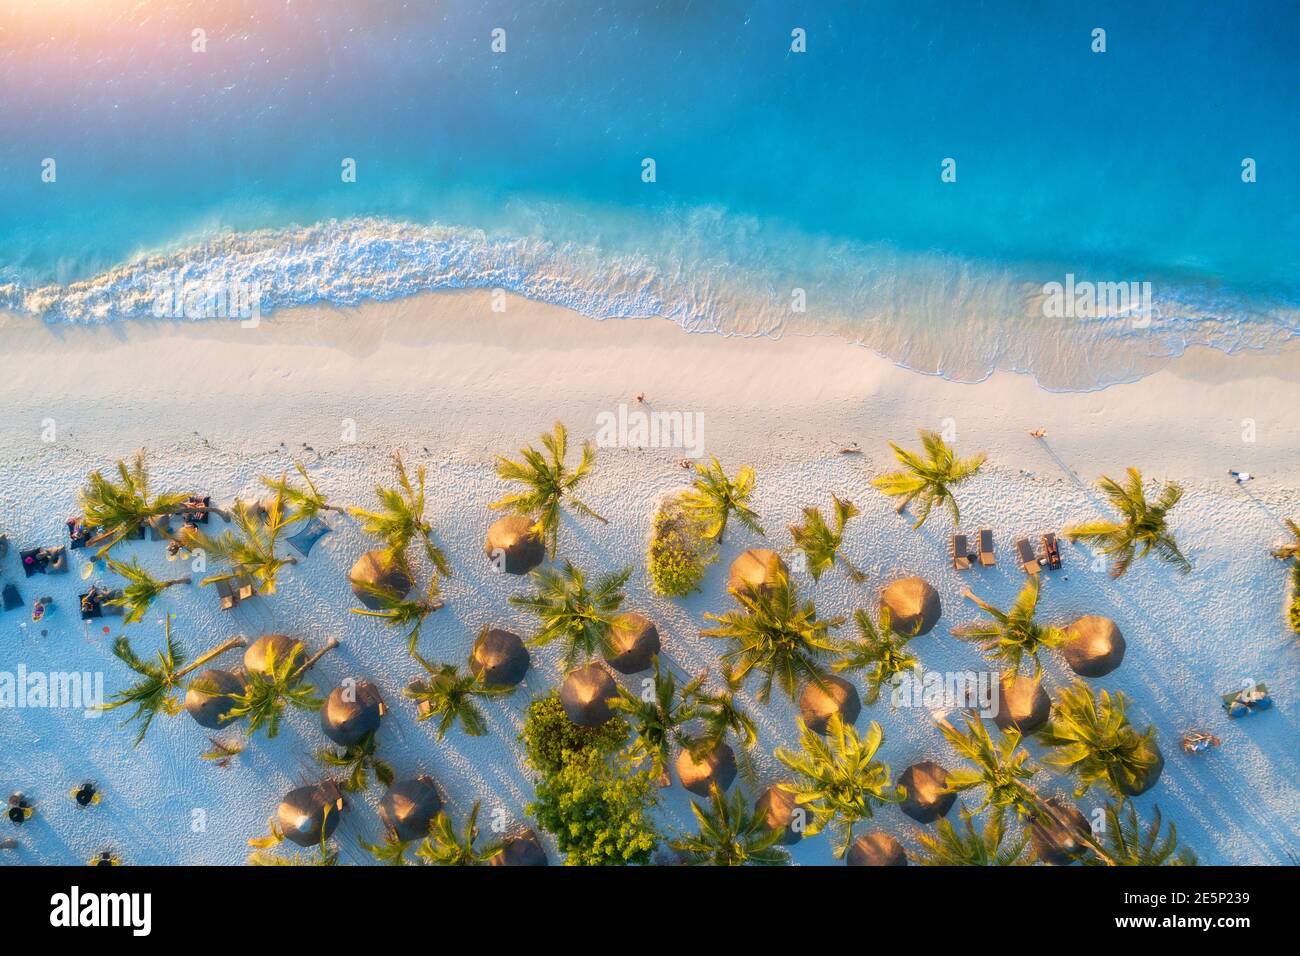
(255, 656)
(819, 702)
(303, 817)
(755, 570)
(926, 799)
(1022, 703)
(637, 641)
(514, 538)
(1093, 646)
(586, 694)
(1057, 845)
(876, 849)
(520, 849)
(499, 657)
(913, 605)
(718, 766)
(207, 699)
(379, 569)
(409, 806)
(351, 711)
(777, 808)
(1149, 779)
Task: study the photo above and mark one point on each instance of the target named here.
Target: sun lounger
(78, 534)
(244, 587)
(112, 610)
(1028, 560)
(57, 560)
(227, 595)
(200, 515)
(1051, 552)
(160, 528)
(987, 558)
(305, 538)
(960, 553)
(91, 604)
(11, 598)
(33, 561)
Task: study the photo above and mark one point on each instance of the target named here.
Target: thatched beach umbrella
(351, 711)
(586, 693)
(819, 702)
(778, 808)
(1022, 703)
(913, 605)
(308, 815)
(636, 641)
(1093, 646)
(520, 849)
(1148, 780)
(1055, 843)
(208, 698)
(255, 657)
(755, 570)
(409, 806)
(876, 849)
(499, 657)
(379, 569)
(717, 766)
(926, 799)
(515, 543)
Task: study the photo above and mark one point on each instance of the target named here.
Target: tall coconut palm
(821, 544)
(141, 591)
(1291, 552)
(120, 508)
(249, 550)
(159, 689)
(357, 761)
(839, 780)
(731, 833)
(1013, 635)
(720, 718)
(776, 634)
(448, 693)
(1143, 528)
(1093, 738)
(880, 651)
(657, 716)
(571, 612)
(392, 852)
(268, 692)
(948, 846)
(400, 519)
(1128, 845)
(445, 847)
(547, 483)
(303, 502)
(713, 498)
(930, 479)
(400, 611)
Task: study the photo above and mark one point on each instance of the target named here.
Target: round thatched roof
(586, 693)
(351, 711)
(718, 767)
(777, 808)
(1150, 777)
(255, 656)
(913, 605)
(379, 569)
(499, 657)
(755, 570)
(818, 703)
(876, 849)
(409, 806)
(520, 547)
(207, 701)
(1055, 844)
(302, 813)
(1093, 646)
(637, 641)
(1022, 703)
(520, 849)
(926, 800)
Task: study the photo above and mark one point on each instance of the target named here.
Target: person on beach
(86, 795)
(20, 809)
(1241, 476)
(1038, 433)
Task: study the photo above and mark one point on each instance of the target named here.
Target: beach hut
(520, 849)
(1022, 703)
(717, 766)
(499, 657)
(308, 815)
(208, 698)
(1093, 646)
(778, 809)
(514, 545)
(409, 807)
(834, 695)
(255, 657)
(875, 849)
(755, 570)
(352, 710)
(635, 642)
(379, 569)
(586, 693)
(926, 799)
(1055, 843)
(913, 605)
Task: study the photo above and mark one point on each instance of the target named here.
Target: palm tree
(275, 836)
(881, 652)
(444, 847)
(776, 634)
(400, 518)
(158, 690)
(928, 479)
(547, 484)
(281, 684)
(839, 779)
(657, 719)
(1294, 613)
(1013, 635)
(448, 694)
(821, 544)
(119, 508)
(721, 717)
(1144, 526)
(1128, 845)
(357, 760)
(713, 498)
(731, 834)
(304, 502)
(571, 612)
(1291, 552)
(250, 551)
(948, 846)
(142, 590)
(392, 852)
(1094, 739)
(400, 611)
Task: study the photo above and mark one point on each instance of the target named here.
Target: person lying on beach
(1241, 476)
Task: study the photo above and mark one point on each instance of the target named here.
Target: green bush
(598, 810)
(549, 736)
(678, 554)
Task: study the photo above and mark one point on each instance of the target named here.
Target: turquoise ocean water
(775, 170)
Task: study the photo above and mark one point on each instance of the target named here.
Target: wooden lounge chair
(227, 594)
(1051, 552)
(1028, 560)
(987, 558)
(90, 604)
(960, 553)
(244, 587)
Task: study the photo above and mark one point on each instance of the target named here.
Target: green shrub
(598, 809)
(549, 736)
(679, 553)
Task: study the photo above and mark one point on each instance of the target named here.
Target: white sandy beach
(452, 384)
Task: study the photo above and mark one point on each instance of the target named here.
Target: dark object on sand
(1247, 701)
(11, 598)
(305, 538)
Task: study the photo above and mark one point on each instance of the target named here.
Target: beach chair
(90, 605)
(201, 514)
(78, 533)
(112, 610)
(960, 553)
(160, 528)
(227, 595)
(1051, 552)
(1247, 700)
(305, 539)
(1028, 560)
(10, 597)
(987, 558)
(244, 587)
(33, 561)
(57, 560)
